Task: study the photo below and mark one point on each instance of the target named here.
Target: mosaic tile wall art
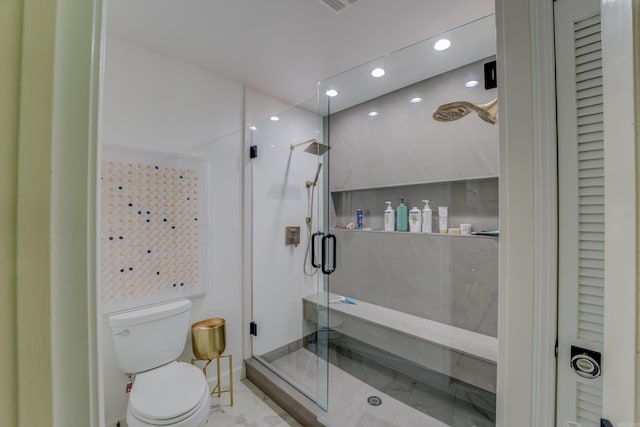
(153, 227)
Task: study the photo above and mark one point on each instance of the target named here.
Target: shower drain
(374, 401)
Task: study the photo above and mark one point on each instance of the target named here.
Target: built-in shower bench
(460, 353)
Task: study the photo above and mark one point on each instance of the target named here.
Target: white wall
(155, 102)
(225, 251)
(279, 197)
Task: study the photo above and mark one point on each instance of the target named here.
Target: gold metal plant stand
(208, 343)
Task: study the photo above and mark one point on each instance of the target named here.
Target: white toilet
(147, 342)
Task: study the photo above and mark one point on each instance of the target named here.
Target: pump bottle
(389, 218)
(426, 217)
(403, 220)
(415, 220)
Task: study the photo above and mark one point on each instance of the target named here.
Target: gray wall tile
(449, 279)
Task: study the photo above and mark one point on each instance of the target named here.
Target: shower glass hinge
(253, 329)
(253, 151)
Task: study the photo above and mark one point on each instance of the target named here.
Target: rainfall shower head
(457, 110)
(314, 147)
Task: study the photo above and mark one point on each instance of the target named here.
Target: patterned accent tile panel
(153, 227)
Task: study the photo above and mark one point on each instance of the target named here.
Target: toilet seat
(169, 395)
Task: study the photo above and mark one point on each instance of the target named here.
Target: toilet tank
(148, 337)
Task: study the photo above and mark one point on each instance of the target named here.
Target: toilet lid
(169, 392)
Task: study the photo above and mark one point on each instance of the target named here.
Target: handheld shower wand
(315, 180)
(309, 221)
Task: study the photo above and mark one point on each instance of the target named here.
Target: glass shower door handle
(332, 268)
(313, 249)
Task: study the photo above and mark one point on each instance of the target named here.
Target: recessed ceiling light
(331, 92)
(274, 118)
(416, 100)
(472, 83)
(377, 72)
(373, 114)
(442, 44)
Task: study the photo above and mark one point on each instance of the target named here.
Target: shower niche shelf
(443, 235)
(473, 201)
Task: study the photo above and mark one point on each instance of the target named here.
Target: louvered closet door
(581, 205)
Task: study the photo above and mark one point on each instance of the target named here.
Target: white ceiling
(469, 43)
(284, 47)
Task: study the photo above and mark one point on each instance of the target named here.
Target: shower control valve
(292, 235)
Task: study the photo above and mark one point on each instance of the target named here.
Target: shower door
(407, 321)
(286, 174)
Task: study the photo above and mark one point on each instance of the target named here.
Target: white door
(581, 211)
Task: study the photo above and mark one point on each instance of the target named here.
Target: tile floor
(348, 406)
(252, 408)
(348, 402)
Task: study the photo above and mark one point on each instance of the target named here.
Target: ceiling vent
(338, 6)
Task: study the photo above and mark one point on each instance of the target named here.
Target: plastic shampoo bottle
(403, 223)
(389, 218)
(426, 217)
(415, 220)
(443, 219)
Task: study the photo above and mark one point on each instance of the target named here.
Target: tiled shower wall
(403, 153)
(447, 278)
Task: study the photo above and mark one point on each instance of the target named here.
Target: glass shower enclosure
(288, 181)
(379, 323)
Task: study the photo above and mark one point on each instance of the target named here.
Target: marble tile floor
(348, 397)
(252, 408)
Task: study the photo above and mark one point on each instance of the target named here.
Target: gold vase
(208, 338)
